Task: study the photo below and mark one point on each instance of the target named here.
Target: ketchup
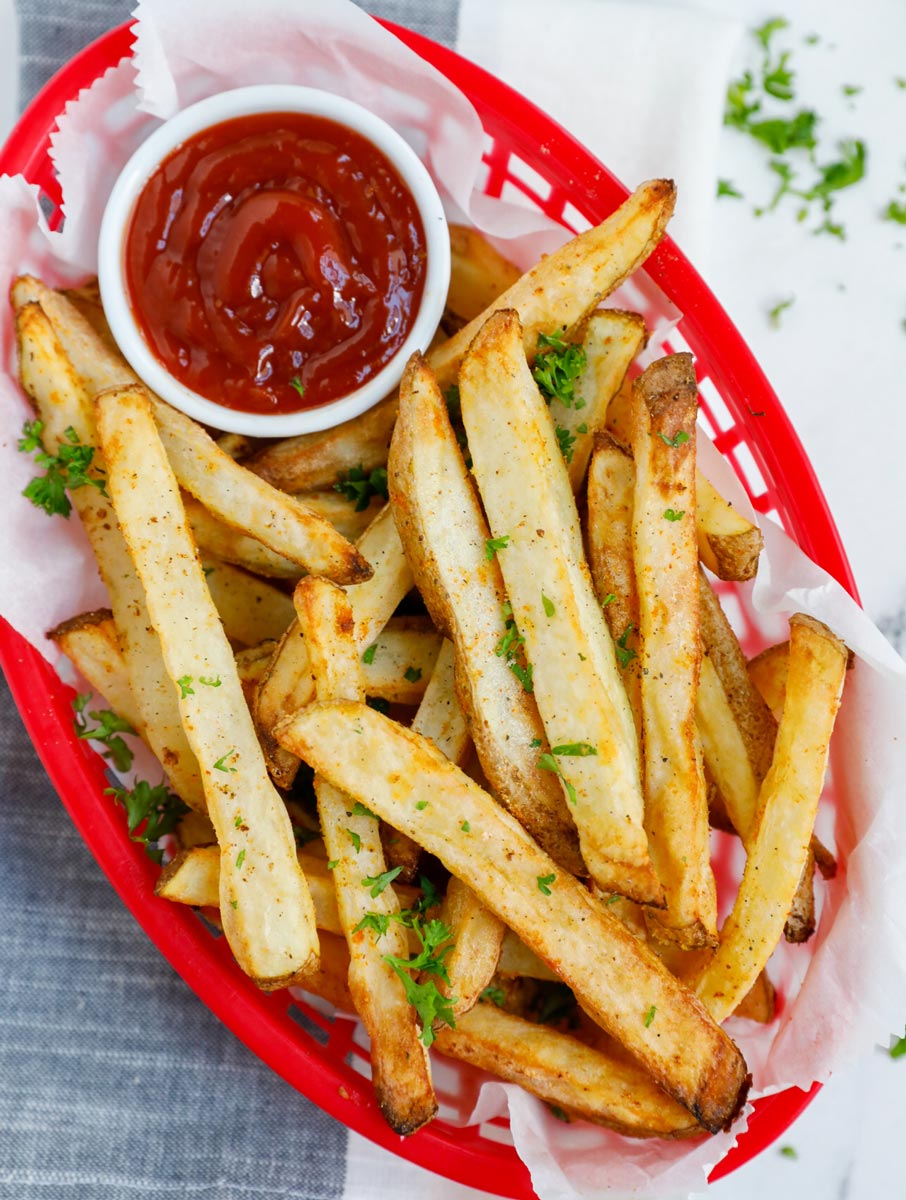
(275, 262)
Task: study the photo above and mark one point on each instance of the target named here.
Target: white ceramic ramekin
(275, 98)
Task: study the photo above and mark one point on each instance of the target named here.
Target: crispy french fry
(615, 978)
(251, 610)
(441, 719)
(265, 904)
(347, 518)
(478, 273)
(787, 806)
(287, 684)
(577, 686)
(399, 1059)
(611, 341)
(91, 642)
(399, 662)
(230, 545)
(477, 937)
(768, 673)
(611, 485)
(316, 460)
(445, 538)
(728, 544)
(237, 445)
(61, 402)
(251, 664)
(564, 286)
(665, 554)
(585, 1082)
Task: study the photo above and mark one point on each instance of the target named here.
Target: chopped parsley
(240, 858)
(544, 883)
(494, 995)
(608, 599)
(412, 674)
(849, 89)
(778, 310)
(649, 1016)
(421, 805)
(575, 749)
(549, 608)
(547, 762)
(184, 683)
(151, 813)
(296, 383)
(466, 827)
(726, 188)
(333, 864)
(359, 810)
(673, 514)
(358, 488)
(64, 471)
(209, 680)
(676, 441)
(895, 211)
(557, 367)
(368, 656)
(107, 732)
(898, 1049)
(625, 654)
(566, 441)
(492, 545)
(222, 764)
(377, 883)
(355, 839)
(510, 648)
(789, 1152)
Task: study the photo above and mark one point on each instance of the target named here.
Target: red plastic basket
(318, 1055)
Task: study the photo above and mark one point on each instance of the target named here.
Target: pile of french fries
(520, 699)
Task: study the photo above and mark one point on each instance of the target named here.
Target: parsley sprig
(151, 812)
(557, 367)
(358, 487)
(63, 471)
(107, 732)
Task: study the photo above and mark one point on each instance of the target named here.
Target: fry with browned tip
(265, 904)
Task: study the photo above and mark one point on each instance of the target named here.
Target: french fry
(618, 982)
(251, 610)
(229, 491)
(399, 1059)
(728, 544)
(230, 545)
(287, 684)
(61, 402)
(441, 719)
(665, 554)
(566, 285)
(237, 445)
(611, 341)
(251, 665)
(611, 486)
(399, 662)
(445, 538)
(91, 642)
(347, 518)
(582, 1081)
(195, 830)
(265, 905)
(580, 696)
(478, 273)
(768, 673)
(476, 938)
(316, 460)
(787, 806)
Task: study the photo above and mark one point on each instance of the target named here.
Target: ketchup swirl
(275, 262)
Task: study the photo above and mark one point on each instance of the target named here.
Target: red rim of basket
(78, 774)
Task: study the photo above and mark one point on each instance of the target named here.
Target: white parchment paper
(843, 991)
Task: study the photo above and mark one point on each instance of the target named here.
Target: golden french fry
(232, 546)
(583, 1081)
(787, 806)
(478, 273)
(265, 905)
(398, 664)
(62, 404)
(399, 1059)
(611, 341)
(477, 938)
(445, 538)
(316, 460)
(616, 979)
(252, 611)
(768, 673)
(665, 554)
(728, 544)
(564, 286)
(345, 516)
(287, 684)
(577, 686)
(91, 642)
(611, 486)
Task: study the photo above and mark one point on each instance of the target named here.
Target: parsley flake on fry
(492, 545)
(213, 681)
(412, 674)
(184, 683)
(673, 514)
(544, 882)
(649, 1016)
(368, 656)
(625, 654)
(355, 839)
(377, 883)
(358, 488)
(557, 367)
(675, 442)
(222, 764)
(549, 608)
(494, 995)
